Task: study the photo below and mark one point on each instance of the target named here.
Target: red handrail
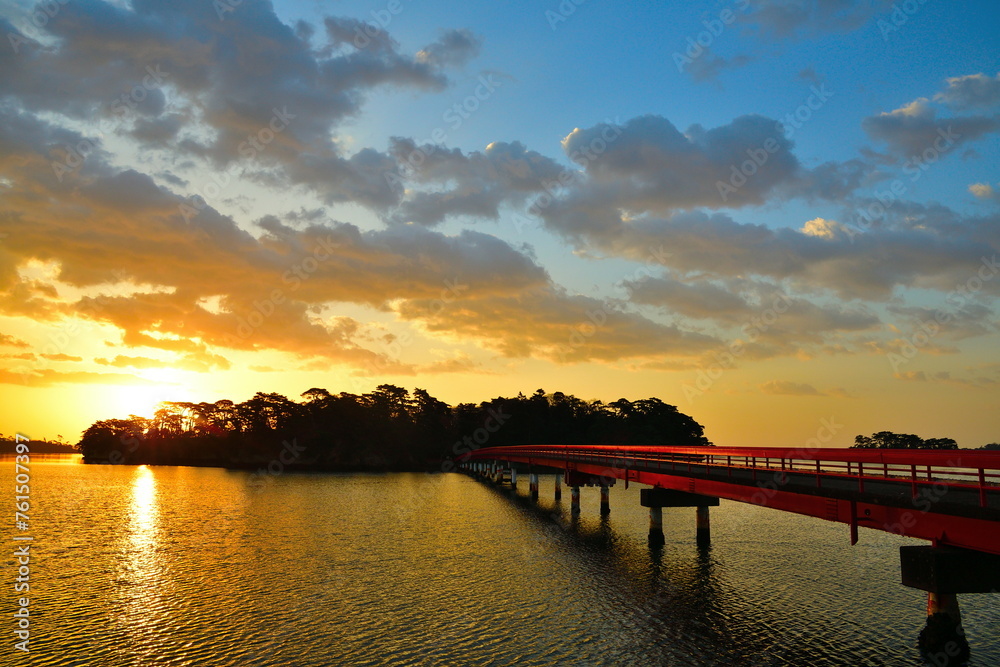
(970, 458)
(965, 468)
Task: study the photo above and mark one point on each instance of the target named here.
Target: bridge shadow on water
(676, 603)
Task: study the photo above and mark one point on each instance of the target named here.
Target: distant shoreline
(267, 465)
(38, 447)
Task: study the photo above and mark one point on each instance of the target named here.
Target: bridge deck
(950, 497)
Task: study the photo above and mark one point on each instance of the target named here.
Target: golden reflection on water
(141, 580)
(143, 511)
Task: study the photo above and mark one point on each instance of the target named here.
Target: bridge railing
(955, 468)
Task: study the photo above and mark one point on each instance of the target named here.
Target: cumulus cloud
(454, 47)
(202, 363)
(928, 252)
(915, 128)
(776, 318)
(199, 283)
(985, 191)
(973, 91)
(182, 283)
(272, 290)
(709, 65)
(788, 18)
(554, 325)
(955, 320)
(480, 181)
(646, 166)
(12, 341)
(655, 167)
(62, 357)
(787, 388)
(206, 88)
(47, 377)
(772, 21)
(986, 376)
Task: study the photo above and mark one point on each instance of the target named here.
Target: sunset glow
(796, 223)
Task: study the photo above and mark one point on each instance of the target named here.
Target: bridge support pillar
(574, 500)
(513, 477)
(704, 531)
(605, 499)
(559, 486)
(657, 498)
(944, 572)
(944, 603)
(656, 526)
(533, 485)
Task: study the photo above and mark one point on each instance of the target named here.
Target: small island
(388, 429)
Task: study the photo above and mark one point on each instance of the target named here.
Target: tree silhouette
(387, 428)
(890, 440)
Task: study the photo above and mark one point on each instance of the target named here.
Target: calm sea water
(198, 566)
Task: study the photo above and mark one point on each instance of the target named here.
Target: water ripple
(186, 566)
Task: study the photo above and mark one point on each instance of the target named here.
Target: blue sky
(160, 235)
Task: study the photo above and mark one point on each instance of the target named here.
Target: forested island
(389, 428)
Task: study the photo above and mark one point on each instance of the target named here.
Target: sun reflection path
(141, 579)
(143, 512)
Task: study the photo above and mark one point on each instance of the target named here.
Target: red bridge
(949, 497)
